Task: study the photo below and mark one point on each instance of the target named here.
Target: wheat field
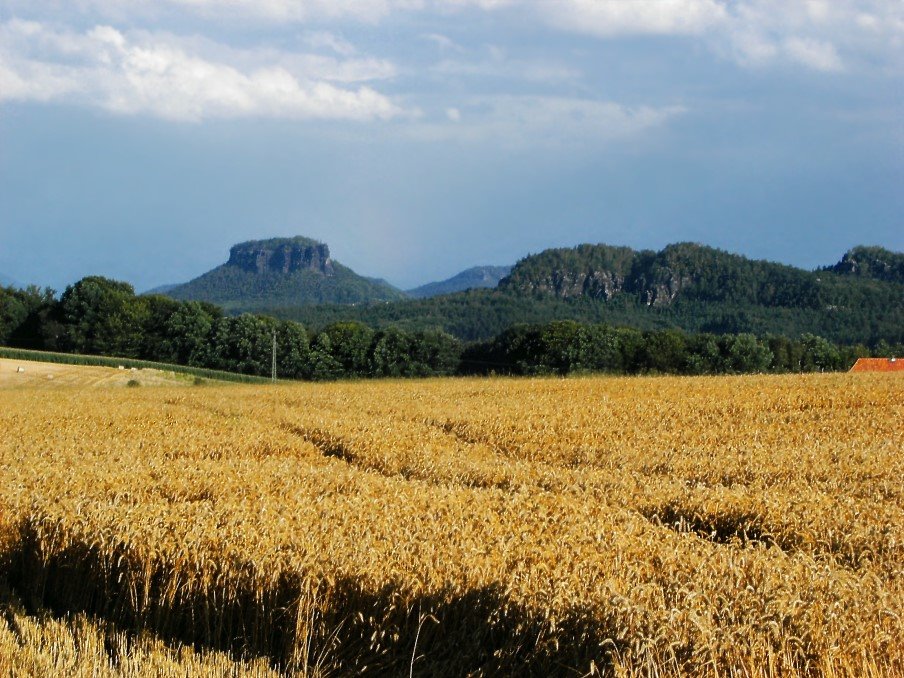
(656, 526)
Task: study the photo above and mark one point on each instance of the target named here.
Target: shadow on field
(729, 527)
(337, 628)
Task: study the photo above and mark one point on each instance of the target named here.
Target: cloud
(271, 11)
(443, 42)
(507, 69)
(160, 75)
(821, 35)
(538, 121)
(821, 56)
(330, 41)
(485, 5)
(608, 18)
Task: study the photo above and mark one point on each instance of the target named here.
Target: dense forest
(97, 316)
(876, 263)
(685, 286)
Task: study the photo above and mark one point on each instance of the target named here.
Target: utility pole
(274, 355)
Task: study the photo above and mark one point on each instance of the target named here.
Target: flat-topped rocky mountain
(281, 272)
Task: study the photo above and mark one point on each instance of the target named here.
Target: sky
(141, 139)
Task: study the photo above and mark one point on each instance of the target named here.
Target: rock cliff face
(663, 288)
(877, 263)
(606, 285)
(604, 272)
(596, 284)
(281, 256)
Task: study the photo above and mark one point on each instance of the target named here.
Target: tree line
(98, 316)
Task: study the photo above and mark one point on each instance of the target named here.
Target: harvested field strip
(106, 361)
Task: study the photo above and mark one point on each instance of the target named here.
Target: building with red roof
(878, 365)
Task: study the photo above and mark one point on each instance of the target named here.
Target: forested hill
(877, 263)
(686, 286)
(282, 272)
(473, 278)
(691, 272)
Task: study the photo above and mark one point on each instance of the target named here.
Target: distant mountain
(686, 272)
(680, 271)
(162, 289)
(473, 278)
(877, 263)
(281, 272)
(687, 286)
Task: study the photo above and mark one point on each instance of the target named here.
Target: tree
(631, 344)
(350, 344)
(704, 355)
(819, 355)
(562, 345)
(601, 350)
(292, 350)
(103, 317)
(664, 351)
(156, 341)
(188, 334)
(321, 364)
(744, 354)
(17, 308)
(243, 344)
(391, 355)
(435, 353)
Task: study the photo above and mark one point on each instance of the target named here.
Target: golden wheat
(646, 526)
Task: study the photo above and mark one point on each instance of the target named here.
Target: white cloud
(816, 34)
(485, 5)
(331, 42)
(821, 35)
(820, 56)
(443, 42)
(295, 11)
(607, 18)
(756, 33)
(159, 75)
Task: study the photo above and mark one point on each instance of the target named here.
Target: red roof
(878, 365)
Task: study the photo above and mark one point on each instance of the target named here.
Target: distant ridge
(689, 272)
(279, 272)
(161, 289)
(686, 286)
(876, 263)
(472, 278)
